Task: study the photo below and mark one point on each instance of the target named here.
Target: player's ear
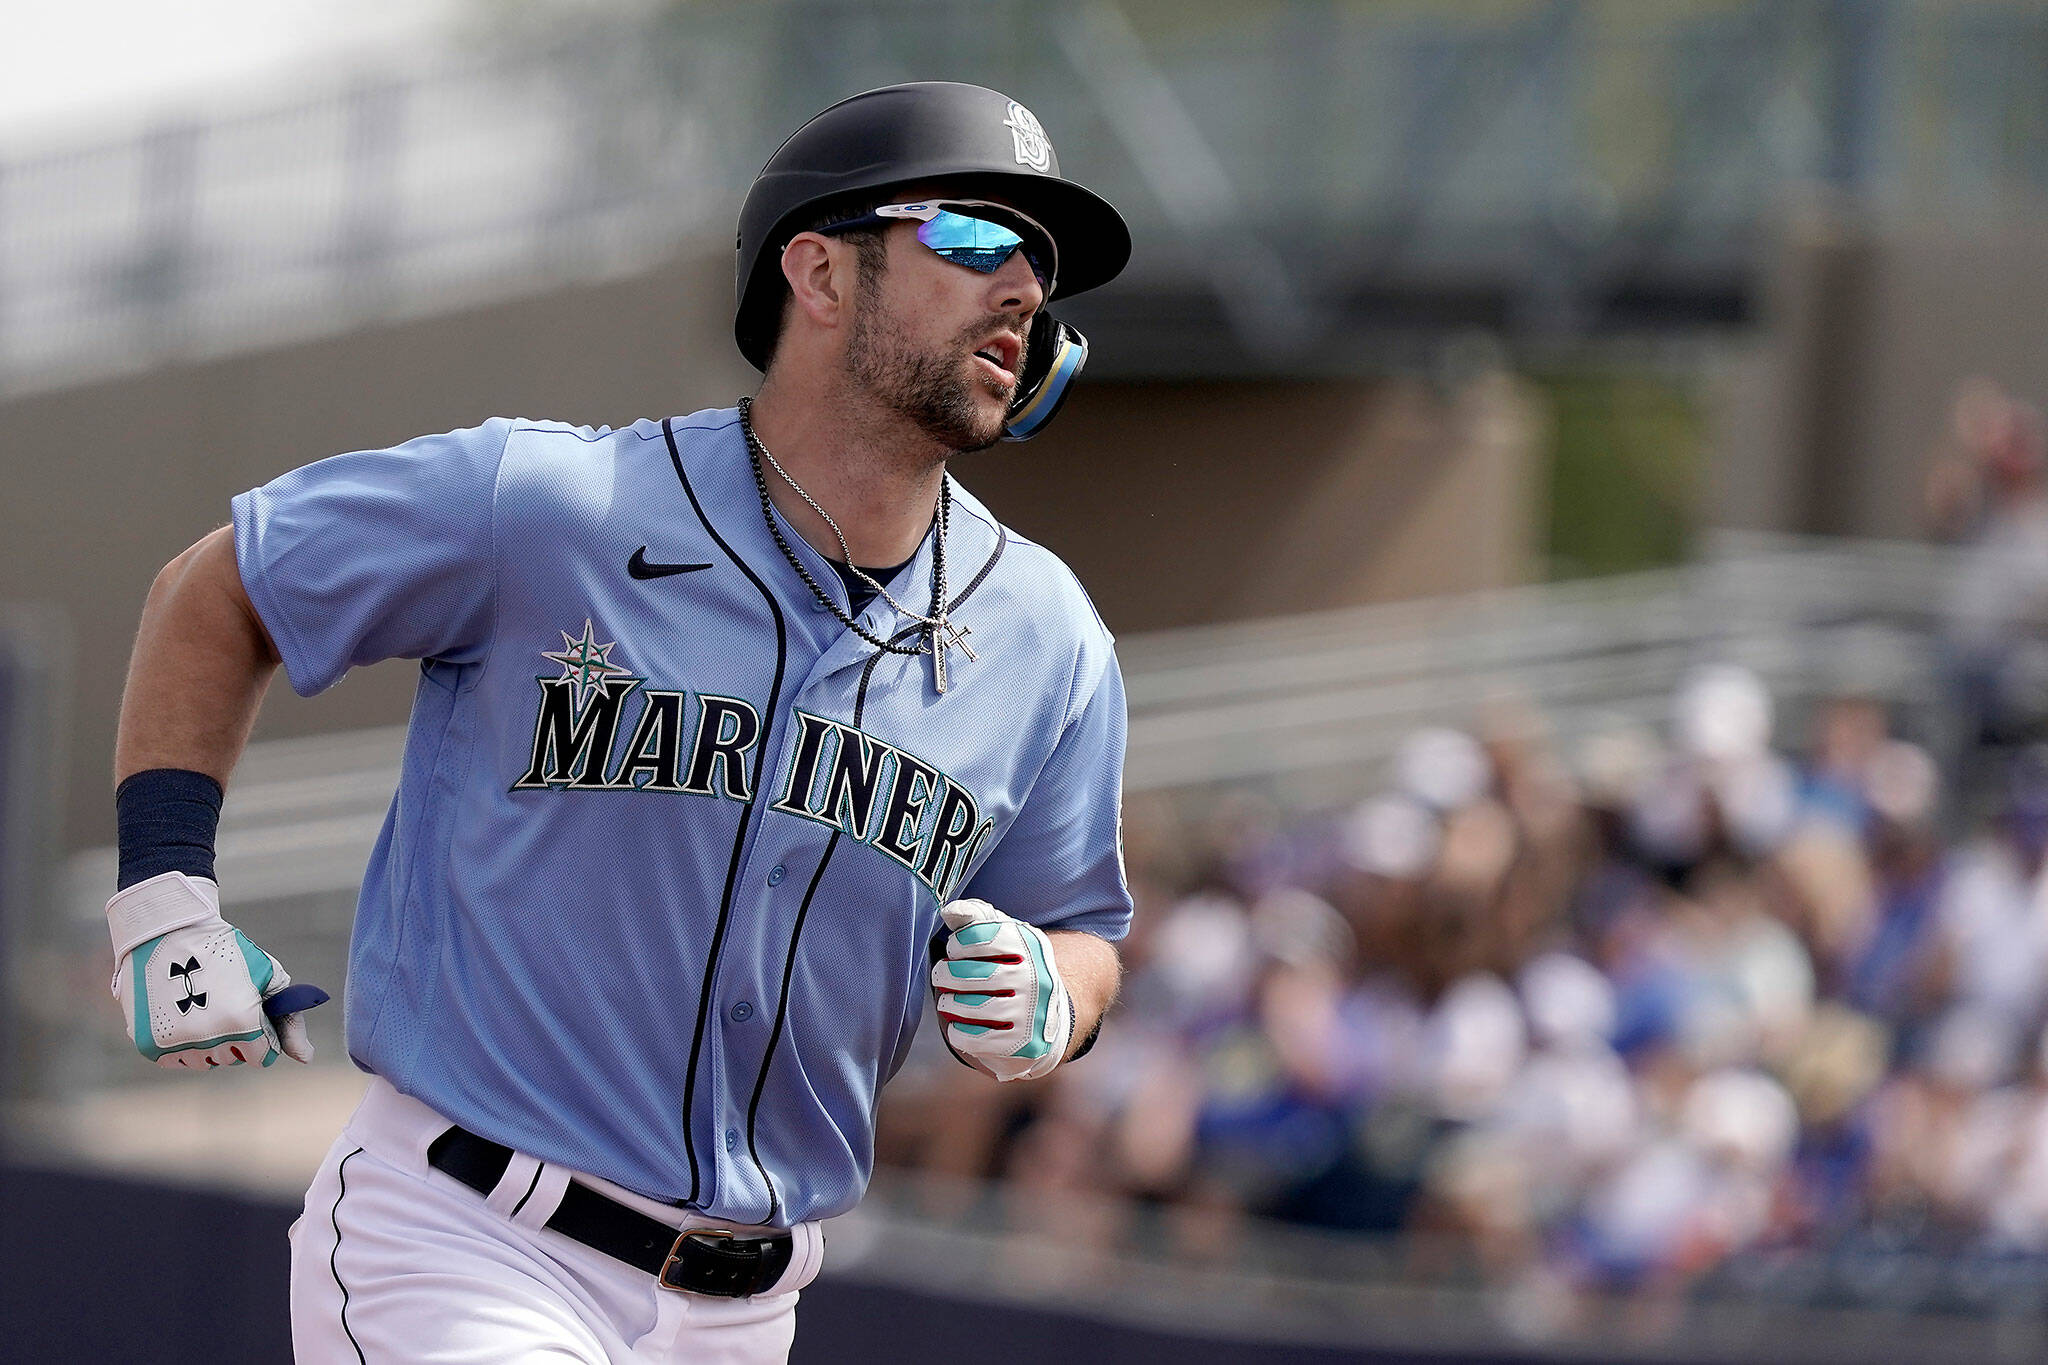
(819, 281)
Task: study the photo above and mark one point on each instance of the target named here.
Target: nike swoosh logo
(640, 568)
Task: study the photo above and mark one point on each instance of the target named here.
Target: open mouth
(1001, 355)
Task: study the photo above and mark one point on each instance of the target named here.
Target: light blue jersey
(655, 895)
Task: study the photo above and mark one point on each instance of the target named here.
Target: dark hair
(871, 257)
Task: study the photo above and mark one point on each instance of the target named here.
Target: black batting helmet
(976, 140)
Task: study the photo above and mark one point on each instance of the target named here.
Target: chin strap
(1054, 357)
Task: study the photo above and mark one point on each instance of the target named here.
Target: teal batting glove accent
(1040, 1044)
(976, 1029)
(971, 1000)
(214, 1042)
(261, 969)
(145, 1042)
(974, 935)
(970, 970)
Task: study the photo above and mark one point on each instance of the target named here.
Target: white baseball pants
(393, 1261)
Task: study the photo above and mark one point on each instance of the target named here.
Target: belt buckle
(675, 1255)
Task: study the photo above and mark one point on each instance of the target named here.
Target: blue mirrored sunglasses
(974, 233)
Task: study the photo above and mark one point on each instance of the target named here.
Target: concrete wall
(1827, 419)
(1182, 504)
(1177, 504)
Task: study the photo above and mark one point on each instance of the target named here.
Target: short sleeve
(379, 554)
(1060, 865)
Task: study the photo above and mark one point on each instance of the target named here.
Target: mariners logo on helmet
(1034, 149)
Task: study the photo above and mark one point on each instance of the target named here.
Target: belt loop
(520, 1174)
(799, 1261)
(804, 1267)
(541, 1193)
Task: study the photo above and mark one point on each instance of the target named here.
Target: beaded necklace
(938, 634)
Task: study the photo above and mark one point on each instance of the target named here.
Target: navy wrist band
(1088, 1043)
(166, 820)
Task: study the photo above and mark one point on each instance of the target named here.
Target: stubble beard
(933, 388)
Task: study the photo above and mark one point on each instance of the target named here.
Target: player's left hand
(1002, 1005)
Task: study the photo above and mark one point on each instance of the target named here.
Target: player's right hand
(191, 986)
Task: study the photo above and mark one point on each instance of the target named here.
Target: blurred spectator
(1989, 492)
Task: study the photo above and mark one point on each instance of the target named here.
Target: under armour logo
(182, 973)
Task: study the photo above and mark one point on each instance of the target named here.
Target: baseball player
(735, 735)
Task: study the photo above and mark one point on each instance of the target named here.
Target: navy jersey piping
(860, 702)
(732, 869)
(782, 1013)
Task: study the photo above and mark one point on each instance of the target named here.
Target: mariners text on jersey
(654, 896)
(838, 775)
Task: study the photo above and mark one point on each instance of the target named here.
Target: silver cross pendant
(945, 636)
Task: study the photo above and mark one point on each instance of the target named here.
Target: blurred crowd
(1598, 1016)
(1622, 1013)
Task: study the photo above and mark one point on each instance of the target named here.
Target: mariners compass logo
(1034, 149)
(585, 663)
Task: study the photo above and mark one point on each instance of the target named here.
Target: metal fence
(1305, 177)
(1310, 706)
(387, 198)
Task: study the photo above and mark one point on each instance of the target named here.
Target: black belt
(699, 1260)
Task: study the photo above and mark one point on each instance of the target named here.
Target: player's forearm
(201, 665)
(1091, 970)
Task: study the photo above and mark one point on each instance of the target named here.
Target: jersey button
(742, 1012)
(732, 1139)
(776, 874)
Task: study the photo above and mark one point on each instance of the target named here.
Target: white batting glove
(1003, 1006)
(191, 985)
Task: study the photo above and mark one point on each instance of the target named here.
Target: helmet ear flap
(1053, 356)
